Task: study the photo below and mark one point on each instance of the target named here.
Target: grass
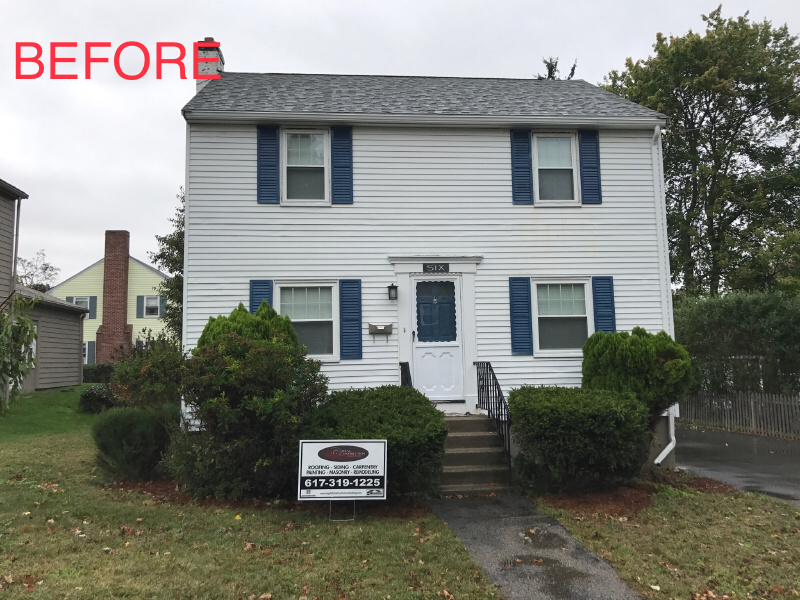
(78, 539)
(744, 545)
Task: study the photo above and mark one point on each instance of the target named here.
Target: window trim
(144, 308)
(576, 180)
(85, 353)
(278, 284)
(587, 294)
(284, 132)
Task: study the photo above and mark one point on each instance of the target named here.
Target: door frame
(408, 267)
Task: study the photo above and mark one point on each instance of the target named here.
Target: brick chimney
(209, 68)
(114, 334)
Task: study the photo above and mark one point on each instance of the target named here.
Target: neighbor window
(152, 306)
(311, 312)
(82, 301)
(305, 166)
(562, 322)
(85, 353)
(554, 161)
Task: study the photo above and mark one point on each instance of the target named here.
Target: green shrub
(655, 368)
(130, 442)
(98, 373)
(742, 341)
(572, 439)
(149, 376)
(95, 399)
(250, 397)
(264, 324)
(415, 431)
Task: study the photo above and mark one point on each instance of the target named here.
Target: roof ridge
(384, 76)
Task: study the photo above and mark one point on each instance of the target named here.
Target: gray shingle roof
(411, 96)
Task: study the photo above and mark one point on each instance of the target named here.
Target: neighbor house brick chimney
(209, 68)
(114, 335)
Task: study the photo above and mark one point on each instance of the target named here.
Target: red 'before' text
(63, 56)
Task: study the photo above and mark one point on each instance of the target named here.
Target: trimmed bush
(149, 377)
(130, 442)
(655, 368)
(98, 373)
(264, 324)
(415, 431)
(250, 396)
(574, 439)
(95, 399)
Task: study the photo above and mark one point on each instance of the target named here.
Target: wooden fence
(766, 414)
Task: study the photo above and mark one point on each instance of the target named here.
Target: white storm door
(437, 339)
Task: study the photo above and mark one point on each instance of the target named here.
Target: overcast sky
(107, 153)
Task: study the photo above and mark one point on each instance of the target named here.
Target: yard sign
(342, 470)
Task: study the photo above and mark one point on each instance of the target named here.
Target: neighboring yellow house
(145, 306)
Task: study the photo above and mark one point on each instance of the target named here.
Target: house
(59, 325)
(415, 228)
(121, 296)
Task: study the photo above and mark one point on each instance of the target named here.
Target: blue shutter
(92, 307)
(162, 306)
(342, 165)
(603, 297)
(521, 167)
(519, 292)
(71, 299)
(589, 152)
(350, 318)
(260, 290)
(140, 307)
(268, 169)
(90, 353)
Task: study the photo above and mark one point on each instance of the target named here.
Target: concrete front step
(473, 439)
(467, 423)
(477, 489)
(461, 457)
(464, 475)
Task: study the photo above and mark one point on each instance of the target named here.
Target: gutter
(290, 118)
(672, 439)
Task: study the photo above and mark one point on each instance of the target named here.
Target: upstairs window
(82, 301)
(306, 164)
(555, 168)
(152, 306)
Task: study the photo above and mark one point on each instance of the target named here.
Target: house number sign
(435, 268)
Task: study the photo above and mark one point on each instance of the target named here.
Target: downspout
(672, 439)
(16, 247)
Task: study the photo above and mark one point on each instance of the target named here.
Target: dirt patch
(711, 486)
(163, 492)
(621, 502)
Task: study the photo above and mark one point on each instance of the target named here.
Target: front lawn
(64, 535)
(690, 542)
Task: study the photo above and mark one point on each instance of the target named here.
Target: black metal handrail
(492, 400)
(405, 375)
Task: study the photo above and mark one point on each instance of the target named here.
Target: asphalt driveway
(751, 463)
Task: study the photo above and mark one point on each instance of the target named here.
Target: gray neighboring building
(59, 325)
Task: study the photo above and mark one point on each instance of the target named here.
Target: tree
(730, 148)
(551, 64)
(36, 273)
(169, 257)
(17, 337)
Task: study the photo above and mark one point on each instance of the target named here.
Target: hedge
(573, 439)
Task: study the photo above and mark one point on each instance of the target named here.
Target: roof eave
(12, 192)
(292, 118)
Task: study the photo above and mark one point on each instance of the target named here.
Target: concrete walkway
(548, 564)
(752, 463)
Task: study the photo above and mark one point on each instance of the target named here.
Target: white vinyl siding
(423, 191)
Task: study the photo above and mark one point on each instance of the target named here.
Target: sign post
(342, 470)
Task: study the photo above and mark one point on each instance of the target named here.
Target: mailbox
(375, 328)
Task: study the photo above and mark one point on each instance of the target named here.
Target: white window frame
(285, 164)
(85, 353)
(87, 298)
(576, 180)
(331, 283)
(144, 308)
(587, 288)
